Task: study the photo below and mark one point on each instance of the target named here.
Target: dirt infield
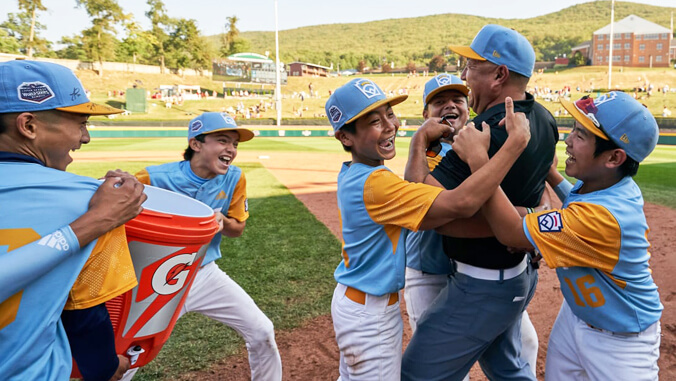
(310, 352)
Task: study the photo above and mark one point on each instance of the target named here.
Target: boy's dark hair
(351, 128)
(189, 153)
(628, 168)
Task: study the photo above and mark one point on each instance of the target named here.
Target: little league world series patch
(335, 114)
(550, 222)
(34, 92)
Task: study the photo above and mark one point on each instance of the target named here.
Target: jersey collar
(11, 157)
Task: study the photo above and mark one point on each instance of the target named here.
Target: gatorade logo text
(171, 275)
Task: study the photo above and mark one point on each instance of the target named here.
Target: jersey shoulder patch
(550, 222)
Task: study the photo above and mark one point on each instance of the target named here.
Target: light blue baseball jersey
(40, 259)
(224, 193)
(424, 249)
(376, 207)
(598, 244)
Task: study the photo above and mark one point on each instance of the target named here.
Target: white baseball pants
(369, 337)
(577, 351)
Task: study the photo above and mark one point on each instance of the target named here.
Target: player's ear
(616, 158)
(502, 74)
(425, 113)
(195, 145)
(26, 125)
(344, 138)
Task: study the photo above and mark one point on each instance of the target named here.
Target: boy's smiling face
(214, 156)
(580, 147)
(373, 141)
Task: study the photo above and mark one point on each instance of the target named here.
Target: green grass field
(286, 273)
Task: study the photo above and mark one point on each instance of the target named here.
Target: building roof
(633, 24)
(249, 57)
(310, 64)
(582, 45)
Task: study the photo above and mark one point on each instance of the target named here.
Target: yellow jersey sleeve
(390, 200)
(108, 272)
(582, 234)
(239, 205)
(143, 177)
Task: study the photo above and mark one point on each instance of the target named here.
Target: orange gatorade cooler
(167, 242)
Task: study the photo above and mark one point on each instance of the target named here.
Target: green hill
(418, 39)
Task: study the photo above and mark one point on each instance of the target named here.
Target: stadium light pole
(610, 51)
(278, 88)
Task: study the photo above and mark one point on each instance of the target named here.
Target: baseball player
(376, 208)
(427, 266)
(207, 175)
(484, 325)
(608, 325)
(53, 223)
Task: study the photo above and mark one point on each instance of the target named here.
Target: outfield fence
(667, 137)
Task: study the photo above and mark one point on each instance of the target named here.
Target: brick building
(304, 69)
(636, 42)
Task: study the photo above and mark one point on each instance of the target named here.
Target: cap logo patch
(550, 222)
(604, 98)
(196, 126)
(588, 108)
(368, 88)
(496, 54)
(227, 118)
(35, 92)
(335, 114)
(624, 138)
(443, 80)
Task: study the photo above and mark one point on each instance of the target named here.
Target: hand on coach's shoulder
(471, 145)
(117, 201)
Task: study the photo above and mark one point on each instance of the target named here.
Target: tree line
(176, 43)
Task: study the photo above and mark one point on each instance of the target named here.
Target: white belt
(489, 274)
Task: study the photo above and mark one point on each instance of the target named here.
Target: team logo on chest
(368, 88)
(550, 222)
(35, 92)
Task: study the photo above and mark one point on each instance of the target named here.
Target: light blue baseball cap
(619, 117)
(211, 122)
(443, 82)
(501, 46)
(354, 100)
(27, 86)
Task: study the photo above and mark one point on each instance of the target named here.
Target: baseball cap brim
(244, 134)
(392, 101)
(466, 51)
(582, 119)
(91, 108)
(457, 87)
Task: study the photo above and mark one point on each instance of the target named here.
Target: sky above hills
(63, 18)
